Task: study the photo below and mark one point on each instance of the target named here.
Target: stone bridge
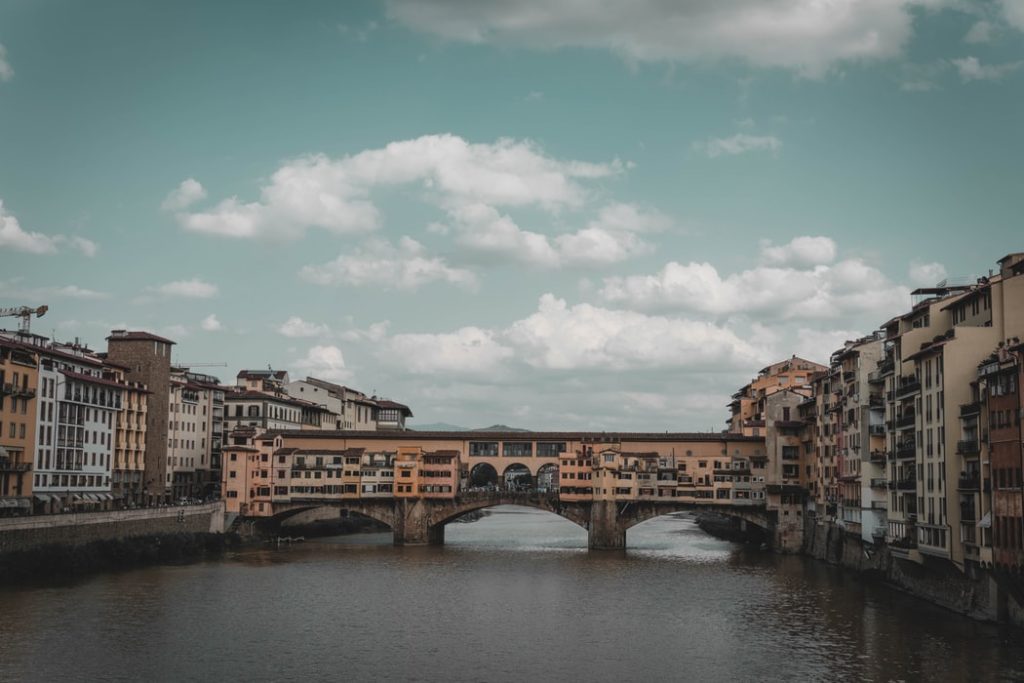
(421, 521)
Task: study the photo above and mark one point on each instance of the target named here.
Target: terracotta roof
(137, 335)
(93, 379)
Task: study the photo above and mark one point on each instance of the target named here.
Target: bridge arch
(378, 514)
(643, 513)
(551, 505)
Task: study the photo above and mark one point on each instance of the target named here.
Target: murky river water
(513, 597)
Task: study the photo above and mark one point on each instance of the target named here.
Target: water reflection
(514, 596)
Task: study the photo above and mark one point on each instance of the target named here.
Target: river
(515, 596)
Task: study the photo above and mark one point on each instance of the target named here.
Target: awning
(986, 521)
(8, 503)
(45, 497)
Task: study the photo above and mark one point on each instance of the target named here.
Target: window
(518, 449)
(549, 449)
(483, 448)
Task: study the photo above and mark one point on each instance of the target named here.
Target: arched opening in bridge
(517, 477)
(483, 476)
(693, 529)
(514, 526)
(326, 520)
(547, 478)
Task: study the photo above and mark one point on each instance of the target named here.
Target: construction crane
(25, 313)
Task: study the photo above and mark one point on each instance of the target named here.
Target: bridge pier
(413, 526)
(605, 531)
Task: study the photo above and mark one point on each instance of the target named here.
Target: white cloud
(87, 247)
(926, 274)
(534, 96)
(406, 266)
(611, 237)
(211, 324)
(809, 37)
(334, 194)
(971, 69)
(190, 289)
(14, 289)
(469, 350)
(1013, 11)
(6, 70)
(820, 292)
(738, 144)
(325, 362)
(12, 236)
(375, 332)
(801, 251)
(558, 336)
(185, 195)
(295, 327)
(980, 32)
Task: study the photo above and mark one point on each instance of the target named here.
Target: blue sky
(536, 213)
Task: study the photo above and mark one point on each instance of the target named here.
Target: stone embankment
(74, 544)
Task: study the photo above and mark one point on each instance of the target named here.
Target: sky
(550, 214)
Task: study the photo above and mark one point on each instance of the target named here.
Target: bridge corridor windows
(518, 449)
(482, 449)
(550, 449)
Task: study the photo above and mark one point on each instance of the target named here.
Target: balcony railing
(876, 430)
(905, 449)
(906, 484)
(908, 388)
(968, 447)
(969, 482)
(967, 409)
(907, 420)
(877, 457)
(879, 483)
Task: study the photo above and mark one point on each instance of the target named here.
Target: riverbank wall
(975, 592)
(25, 533)
(77, 544)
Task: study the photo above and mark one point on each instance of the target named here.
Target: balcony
(907, 484)
(877, 457)
(905, 449)
(907, 420)
(967, 514)
(849, 376)
(968, 409)
(886, 367)
(876, 430)
(876, 401)
(968, 447)
(8, 465)
(906, 389)
(969, 482)
(879, 483)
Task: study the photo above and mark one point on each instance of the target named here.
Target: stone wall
(975, 592)
(27, 533)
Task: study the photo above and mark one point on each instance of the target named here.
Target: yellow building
(19, 377)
